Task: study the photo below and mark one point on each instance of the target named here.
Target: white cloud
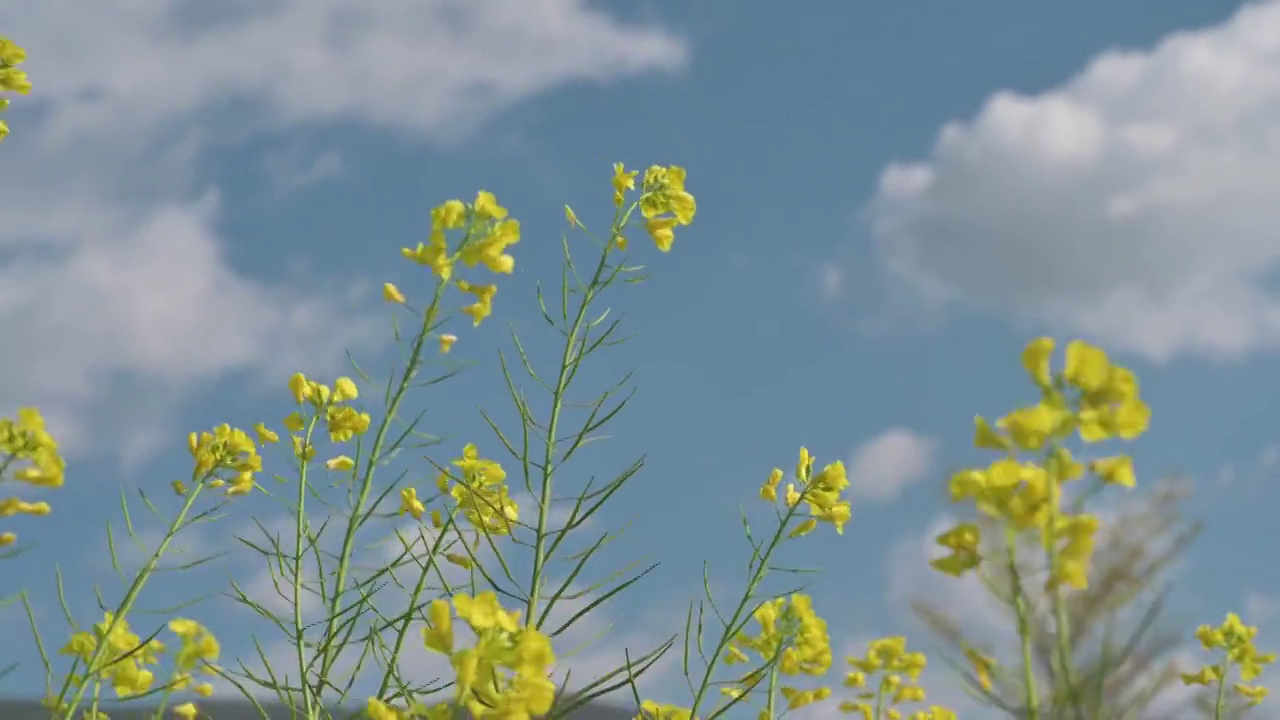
(1132, 204)
(830, 282)
(1270, 456)
(115, 292)
(884, 466)
(1260, 608)
(291, 170)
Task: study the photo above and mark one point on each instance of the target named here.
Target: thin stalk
(553, 425)
(1222, 689)
(308, 701)
(1062, 624)
(135, 589)
(348, 540)
(1024, 624)
(761, 570)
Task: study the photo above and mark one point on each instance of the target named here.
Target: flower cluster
(889, 658)
(1235, 639)
(27, 440)
(1091, 397)
(343, 422)
(821, 492)
(487, 233)
(226, 450)
(664, 201)
(791, 634)
(480, 491)
(12, 78)
(504, 675)
(113, 652)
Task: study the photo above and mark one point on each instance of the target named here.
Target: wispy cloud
(115, 277)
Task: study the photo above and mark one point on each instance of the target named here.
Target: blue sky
(893, 198)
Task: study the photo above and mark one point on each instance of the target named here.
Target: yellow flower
(800, 698)
(14, 506)
(963, 540)
(7, 539)
(571, 217)
(661, 230)
(1255, 694)
(341, 463)
(793, 495)
(1087, 366)
(438, 633)
(446, 342)
(490, 250)
(294, 422)
(483, 306)
(378, 710)
(986, 437)
(769, 491)
(1115, 470)
(11, 53)
(460, 560)
(1206, 676)
(302, 449)
(434, 255)
(1035, 358)
(909, 693)
(392, 294)
(484, 612)
(861, 708)
(803, 528)
(345, 423)
(805, 466)
(299, 387)
(186, 710)
(982, 667)
(623, 180)
(264, 434)
(1030, 428)
(344, 388)
(487, 207)
(409, 503)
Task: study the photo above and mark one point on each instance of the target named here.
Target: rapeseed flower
(26, 440)
(1235, 640)
(889, 658)
(505, 673)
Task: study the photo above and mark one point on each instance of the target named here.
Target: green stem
(135, 589)
(1222, 690)
(413, 602)
(308, 695)
(725, 637)
(553, 425)
(1062, 623)
(354, 520)
(1024, 624)
(773, 689)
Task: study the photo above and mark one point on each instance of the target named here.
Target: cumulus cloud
(1132, 204)
(1260, 608)
(884, 466)
(291, 170)
(117, 297)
